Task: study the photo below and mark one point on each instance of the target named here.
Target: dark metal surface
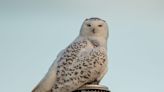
(93, 88)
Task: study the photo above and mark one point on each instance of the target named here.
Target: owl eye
(100, 25)
(89, 25)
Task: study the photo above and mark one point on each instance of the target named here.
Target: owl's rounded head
(94, 27)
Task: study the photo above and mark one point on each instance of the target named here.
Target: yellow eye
(100, 25)
(89, 25)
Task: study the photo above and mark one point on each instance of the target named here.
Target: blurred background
(32, 33)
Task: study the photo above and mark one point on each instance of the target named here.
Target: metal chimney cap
(89, 88)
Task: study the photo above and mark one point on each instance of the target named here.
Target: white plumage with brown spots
(84, 61)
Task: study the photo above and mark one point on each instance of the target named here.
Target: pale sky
(32, 32)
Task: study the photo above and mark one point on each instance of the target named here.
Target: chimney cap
(93, 87)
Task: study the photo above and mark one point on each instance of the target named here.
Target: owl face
(94, 27)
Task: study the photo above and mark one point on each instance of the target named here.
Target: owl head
(94, 27)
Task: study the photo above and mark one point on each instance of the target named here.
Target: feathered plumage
(84, 61)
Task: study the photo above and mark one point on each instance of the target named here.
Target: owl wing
(80, 64)
(45, 85)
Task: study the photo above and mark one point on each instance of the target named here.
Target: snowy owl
(82, 62)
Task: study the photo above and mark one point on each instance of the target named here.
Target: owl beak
(93, 30)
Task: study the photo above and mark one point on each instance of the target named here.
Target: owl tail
(46, 84)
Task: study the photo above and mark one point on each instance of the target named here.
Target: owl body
(82, 66)
(84, 61)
